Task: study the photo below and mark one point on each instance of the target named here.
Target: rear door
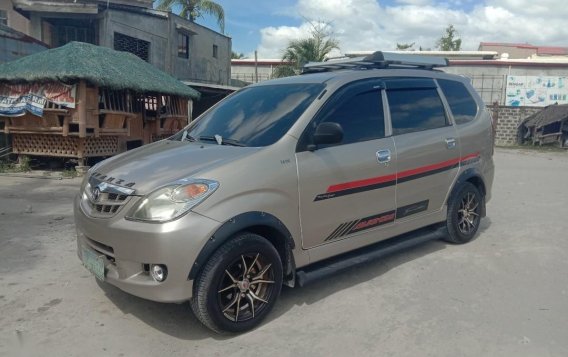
(344, 190)
(428, 153)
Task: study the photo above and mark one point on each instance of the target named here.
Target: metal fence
(491, 88)
(250, 77)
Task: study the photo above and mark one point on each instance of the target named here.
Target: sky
(372, 25)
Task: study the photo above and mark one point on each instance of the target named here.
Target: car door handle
(384, 156)
(450, 143)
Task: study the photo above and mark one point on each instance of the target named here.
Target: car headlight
(172, 201)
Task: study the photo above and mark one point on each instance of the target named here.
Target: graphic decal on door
(376, 220)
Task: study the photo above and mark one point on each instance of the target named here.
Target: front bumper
(128, 247)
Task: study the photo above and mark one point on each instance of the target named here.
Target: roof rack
(378, 59)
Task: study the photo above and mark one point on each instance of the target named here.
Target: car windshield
(256, 116)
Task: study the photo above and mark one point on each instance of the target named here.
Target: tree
(405, 46)
(312, 49)
(450, 41)
(193, 9)
(236, 55)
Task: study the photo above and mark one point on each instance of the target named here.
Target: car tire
(239, 285)
(464, 214)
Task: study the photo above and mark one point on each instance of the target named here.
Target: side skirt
(322, 269)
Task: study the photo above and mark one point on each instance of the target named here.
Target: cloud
(368, 25)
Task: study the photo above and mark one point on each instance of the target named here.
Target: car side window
(415, 109)
(462, 105)
(360, 115)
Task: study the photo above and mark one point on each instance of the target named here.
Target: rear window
(462, 105)
(415, 109)
(256, 116)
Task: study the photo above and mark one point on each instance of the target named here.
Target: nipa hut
(549, 126)
(81, 100)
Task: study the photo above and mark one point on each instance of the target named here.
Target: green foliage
(235, 55)
(284, 70)
(194, 9)
(24, 163)
(405, 46)
(69, 173)
(7, 167)
(450, 41)
(22, 166)
(312, 49)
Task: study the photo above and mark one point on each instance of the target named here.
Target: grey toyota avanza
(288, 179)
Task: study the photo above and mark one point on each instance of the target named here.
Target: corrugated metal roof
(548, 115)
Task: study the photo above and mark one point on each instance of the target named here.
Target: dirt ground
(504, 294)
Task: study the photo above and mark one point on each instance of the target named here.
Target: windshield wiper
(221, 141)
(185, 136)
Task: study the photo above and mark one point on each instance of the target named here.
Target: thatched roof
(100, 66)
(548, 115)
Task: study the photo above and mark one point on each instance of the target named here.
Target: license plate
(94, 263)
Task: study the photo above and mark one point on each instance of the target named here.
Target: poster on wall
(536, 91)
(17, 99)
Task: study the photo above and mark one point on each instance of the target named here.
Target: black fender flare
(245, 222)
(468, 175)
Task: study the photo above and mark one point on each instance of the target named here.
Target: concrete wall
(15, 20)
(201, 65)
(153, 29)
(508, 120)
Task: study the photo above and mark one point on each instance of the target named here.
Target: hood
(148, 167)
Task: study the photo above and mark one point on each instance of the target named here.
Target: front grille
(109, 204)
(104, 200)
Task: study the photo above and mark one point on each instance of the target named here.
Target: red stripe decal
(361, 183)
(470, 156)
(403, 174)
(423, 169)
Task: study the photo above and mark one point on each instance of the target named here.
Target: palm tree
(193, 9)
(311, 49)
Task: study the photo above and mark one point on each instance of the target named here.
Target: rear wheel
(239, 285)
(464, 214)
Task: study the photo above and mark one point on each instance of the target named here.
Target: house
(247, 71)
(523, 50)
(194, 54)
(15, 44)
(184, 49)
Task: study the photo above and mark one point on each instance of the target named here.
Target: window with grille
(65, 34)
(3, 17)
(183, 45)
(133, 45)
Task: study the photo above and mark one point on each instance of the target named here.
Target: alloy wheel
(246, 287)
(468, 213)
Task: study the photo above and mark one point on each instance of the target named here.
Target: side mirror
(327, 133)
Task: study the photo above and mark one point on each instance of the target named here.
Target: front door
(348, 189)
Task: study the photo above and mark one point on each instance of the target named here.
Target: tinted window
(415, 110)
(361, 116)
(464, 108)
(257, 116)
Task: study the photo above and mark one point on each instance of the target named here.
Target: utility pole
(255, 67)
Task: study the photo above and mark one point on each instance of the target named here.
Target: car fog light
(159, 272)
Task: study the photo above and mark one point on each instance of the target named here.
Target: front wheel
(239, 285)
(464, 214)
